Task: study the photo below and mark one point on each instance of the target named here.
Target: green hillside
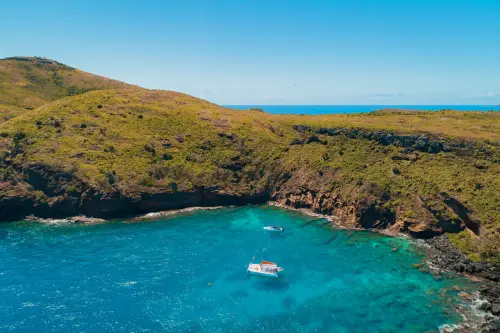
(29, 82)
(130, 150)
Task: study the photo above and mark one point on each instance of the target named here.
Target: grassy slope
(139, 140)
(28, 82)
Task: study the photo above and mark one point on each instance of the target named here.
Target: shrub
(409, 213)
(150, 148)
(18, 136)
(39, 123)
(39, 195)
(167, 157)
(110, 149)
(4, 134)
(110, 176)
(147, 181)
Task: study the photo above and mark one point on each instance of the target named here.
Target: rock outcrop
(410, 143)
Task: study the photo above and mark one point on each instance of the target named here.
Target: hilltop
(83, 144)
(29, 82)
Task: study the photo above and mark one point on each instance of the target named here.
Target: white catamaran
(264, 268)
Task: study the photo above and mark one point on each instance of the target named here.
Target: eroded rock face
(360, 208)
(50, 193)
(409, 143)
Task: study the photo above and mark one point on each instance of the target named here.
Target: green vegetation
(27, 83)
(117, 137)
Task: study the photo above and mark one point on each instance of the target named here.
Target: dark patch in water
(288, 302)
(241, 293)
(271, 284)
(4, 234)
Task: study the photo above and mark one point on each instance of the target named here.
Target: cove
(154, 276)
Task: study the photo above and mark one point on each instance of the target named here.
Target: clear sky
(271, 51)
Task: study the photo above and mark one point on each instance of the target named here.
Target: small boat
(274, 228)
(265, 268)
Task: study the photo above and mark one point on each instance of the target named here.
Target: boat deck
(258, 269)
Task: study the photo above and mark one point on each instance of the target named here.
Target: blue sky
(273, 52)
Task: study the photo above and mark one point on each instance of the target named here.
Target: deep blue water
(336, 109)
(153, 276)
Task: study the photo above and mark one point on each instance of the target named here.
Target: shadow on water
(268, 284)
(278, 235)
(240, 294)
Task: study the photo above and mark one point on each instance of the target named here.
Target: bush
(110, 149)
(167, 157)
(4, 134)
(18, 136)
(410, 214)
(150, 148)
(147, 181)
(110, 176)
(39, 123)
(70, 188)
(39, 195)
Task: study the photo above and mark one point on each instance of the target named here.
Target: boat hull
(256, 269)
(273, 229)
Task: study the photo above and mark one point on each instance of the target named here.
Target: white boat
(274, 228)
(265, 268)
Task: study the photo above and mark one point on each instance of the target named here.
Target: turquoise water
(335, 109)
(153, 276)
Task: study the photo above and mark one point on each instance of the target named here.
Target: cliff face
(368, 206)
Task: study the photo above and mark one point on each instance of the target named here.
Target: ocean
(187, 273)
(339, 109)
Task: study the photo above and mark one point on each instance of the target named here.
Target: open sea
(154, 276)
(336, 109)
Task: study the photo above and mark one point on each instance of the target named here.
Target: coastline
(82, 219)
(440, 258)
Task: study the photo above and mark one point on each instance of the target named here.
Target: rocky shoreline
(441, 257)
(444, 257)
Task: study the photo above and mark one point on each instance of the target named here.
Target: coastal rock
(495, 309)
(410, 143)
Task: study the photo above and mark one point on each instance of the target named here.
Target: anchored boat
(265, 268)
(274, 228)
